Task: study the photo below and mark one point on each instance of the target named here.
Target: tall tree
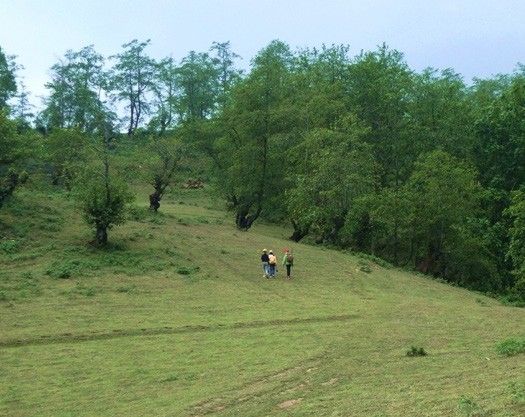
(103, 196)
(76, 91)
(8, 86)
(197, 79)
(516, 252)
(253, 126)
(335, 168)
(132, 80)
(379, 85)
(224, 60)
(165, 96)
(11, 152)
(22, 109)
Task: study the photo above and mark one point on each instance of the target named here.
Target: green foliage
(9, 246)
(12, 151)
(131, 79)
(516, 250)
(187, 270)
(511, 347)
(66, 269)
(469, 408)
(74, 92)
(7, 78)
(103, 201)
(337, 170)
(416, 351)
(362, 152)
(67, 153)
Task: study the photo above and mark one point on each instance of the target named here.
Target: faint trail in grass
(113, 334)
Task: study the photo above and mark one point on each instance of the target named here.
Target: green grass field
(175, 319)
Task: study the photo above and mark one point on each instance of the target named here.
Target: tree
(500, 149)
(379, 85)
(132, 79)
(8, 86)
(254, 125)
(11, 152)
(67, 152)
(22, 109)
(165, 93)
(336, 168)
(224, 62)
(77, 88)
(197, 79)
(103, 197)
(516, 251)
(163, 166)
(440, 114)
(444, 194)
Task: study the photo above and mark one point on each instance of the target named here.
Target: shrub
(9, 246)
(187, 270)
(416, 351)
(68, 268)
(364, 267)
(511, 347)
(469, 408)
(104, 204)
(374, 259)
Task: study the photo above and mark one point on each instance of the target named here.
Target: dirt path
(113, 334)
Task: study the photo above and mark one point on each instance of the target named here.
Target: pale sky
(477, 38)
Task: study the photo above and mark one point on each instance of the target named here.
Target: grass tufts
(416, 351)
(511, 347)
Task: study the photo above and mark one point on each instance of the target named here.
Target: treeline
(362, 152)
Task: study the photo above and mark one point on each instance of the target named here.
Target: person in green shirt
(288, 262)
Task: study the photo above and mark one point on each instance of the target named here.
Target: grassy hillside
(175, 319)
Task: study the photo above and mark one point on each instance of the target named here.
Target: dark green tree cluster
(366, 154)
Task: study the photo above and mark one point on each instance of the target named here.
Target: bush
(104, 204)
(470, 409)
(66, 269)
(185, 270)
(416, 351)
(374, 259)
(364, 267)
(511, 347)
(9, 246)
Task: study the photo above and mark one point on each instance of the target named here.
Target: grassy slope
(251, 356)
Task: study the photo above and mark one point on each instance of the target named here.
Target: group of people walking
(269, 263)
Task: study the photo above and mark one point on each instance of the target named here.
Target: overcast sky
(478, 38)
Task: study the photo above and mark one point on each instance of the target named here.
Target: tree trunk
(154, 201)
(244, 220)
(298, 232)
(102, 235)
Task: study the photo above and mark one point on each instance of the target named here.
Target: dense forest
(356, 152)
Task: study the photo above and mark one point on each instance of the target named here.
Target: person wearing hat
(272, 263)
(265, 260)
